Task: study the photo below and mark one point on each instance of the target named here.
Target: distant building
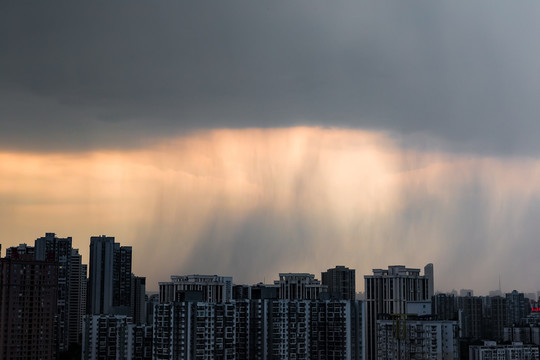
(212, 288)
(445, 306)
(21, 251)
(28, 290)
(517, 308)
(492, 351)
(496, 319)
(470, 317)
(428, 273)
(299, 286)
(416, 337)
(138, 299)
(387, 292)
(264, 291)
(341, 282)
(466, 292)
(523, 334)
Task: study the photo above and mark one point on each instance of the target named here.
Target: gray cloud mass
(80, 75)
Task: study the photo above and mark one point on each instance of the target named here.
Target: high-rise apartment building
(211, 288)
(444, 306)
(138, 301)
(100, 276)
(23, 250)
(494, 323)
(387, 292)
(77, 295)
(341, 282)
(69, 261)
(428, 273)
(259, 329)
(122, 278)
(470, 317)
(109, 278)
(28, 291)
(491, 350)
(517, 308)
(299, 286)
(115, 337)
(416, 337)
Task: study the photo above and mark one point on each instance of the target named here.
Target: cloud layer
(114, 75)
(251, 203)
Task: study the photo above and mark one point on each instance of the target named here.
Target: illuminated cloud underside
(251, 203)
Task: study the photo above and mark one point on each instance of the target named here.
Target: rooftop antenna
(500, 291)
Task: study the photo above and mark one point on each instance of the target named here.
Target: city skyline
(28, 248)
(229, 138)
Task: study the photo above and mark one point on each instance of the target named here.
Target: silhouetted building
(100, 275)
(444, 306)
(517, 308)
(28, 290)
(341, 282)
(21, 251)
(52, 248)
(387, 292)
(241, 292)
(77, 297)
(109, 278)
(138, 301)
(470, 317)
(122, 279)
(264, 291)
(496, 319)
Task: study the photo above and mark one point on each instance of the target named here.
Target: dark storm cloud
(76, 75)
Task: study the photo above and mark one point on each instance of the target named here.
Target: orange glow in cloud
(251, 203)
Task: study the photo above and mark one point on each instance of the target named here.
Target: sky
(250, 138)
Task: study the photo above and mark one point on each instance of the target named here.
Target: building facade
(492, 351)
(115, 337)
(259, 329)
(416, 337)
(28, 303)
(341, 282)
(299, 286)
(387, 292)
(109, 278)
(211, 288)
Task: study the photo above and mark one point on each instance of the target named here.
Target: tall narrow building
(100, 277)
(109, 279)
(52, 248)
(341, 282)
(28, 290)
(387, 292)
(122, 279)
(77, 278)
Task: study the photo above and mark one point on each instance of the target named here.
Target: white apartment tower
(388, 291)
